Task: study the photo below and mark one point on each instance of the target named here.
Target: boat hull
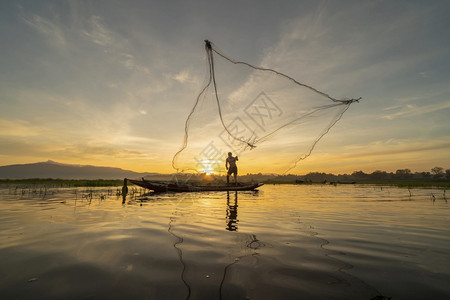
(159, 186)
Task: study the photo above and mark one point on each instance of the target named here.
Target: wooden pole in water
(124, 190)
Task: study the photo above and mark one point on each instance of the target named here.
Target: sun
(208, 167)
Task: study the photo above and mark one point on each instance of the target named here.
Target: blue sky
(111, 82)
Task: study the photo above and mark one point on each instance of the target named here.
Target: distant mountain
(51, 169)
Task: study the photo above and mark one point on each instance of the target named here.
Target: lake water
(282, 242)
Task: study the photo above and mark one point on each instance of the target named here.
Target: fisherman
(232, 168)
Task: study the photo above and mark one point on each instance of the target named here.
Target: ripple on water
(285, 242)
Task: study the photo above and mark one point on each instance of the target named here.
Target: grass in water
(50, 182)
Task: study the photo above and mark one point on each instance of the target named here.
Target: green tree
(359, 174)
(403, 173)
(438, 172)
(425, 174)
(316, 176)
(379, 175)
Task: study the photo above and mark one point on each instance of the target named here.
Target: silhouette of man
(230, 164)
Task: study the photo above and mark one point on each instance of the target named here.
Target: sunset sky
(110, 83)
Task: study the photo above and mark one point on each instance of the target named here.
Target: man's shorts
(232, 170)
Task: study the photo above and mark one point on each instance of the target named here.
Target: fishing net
(266, 118)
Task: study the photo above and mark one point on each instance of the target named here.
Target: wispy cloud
(21, 128)
(114, 44)
(389, 155)
(118, 81)
(412, 110)
(93, 29)
(50, 29)
(398, 146)
(98, 33)
(92, 148)
(184, 76)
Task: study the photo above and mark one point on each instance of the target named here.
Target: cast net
(269, 120)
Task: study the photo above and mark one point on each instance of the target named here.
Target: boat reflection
(231, 215)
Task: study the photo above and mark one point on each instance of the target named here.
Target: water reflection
(231, 215)
(176, 245)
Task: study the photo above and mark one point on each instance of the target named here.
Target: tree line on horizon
(435, 174)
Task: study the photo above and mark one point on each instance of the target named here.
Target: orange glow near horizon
(320, 161)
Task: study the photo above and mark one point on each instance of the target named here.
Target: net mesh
(269, 120)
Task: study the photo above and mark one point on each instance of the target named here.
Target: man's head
(230, 154)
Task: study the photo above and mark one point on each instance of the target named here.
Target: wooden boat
(162, 186)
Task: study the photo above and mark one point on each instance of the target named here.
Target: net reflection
(232, 211)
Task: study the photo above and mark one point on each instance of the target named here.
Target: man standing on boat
(232, 168)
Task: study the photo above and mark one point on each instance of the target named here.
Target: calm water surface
(283, 242)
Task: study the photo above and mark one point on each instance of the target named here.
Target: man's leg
(228, 179)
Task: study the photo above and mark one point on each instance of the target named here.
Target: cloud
(184, 76)
(90, 149)
(115, 45)
(395, 147)
(21, 128)
(346, 49)
(53, 32)
(98, 32)
(389, 155)
(413, 110)
(114, 76)
(93, 28)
